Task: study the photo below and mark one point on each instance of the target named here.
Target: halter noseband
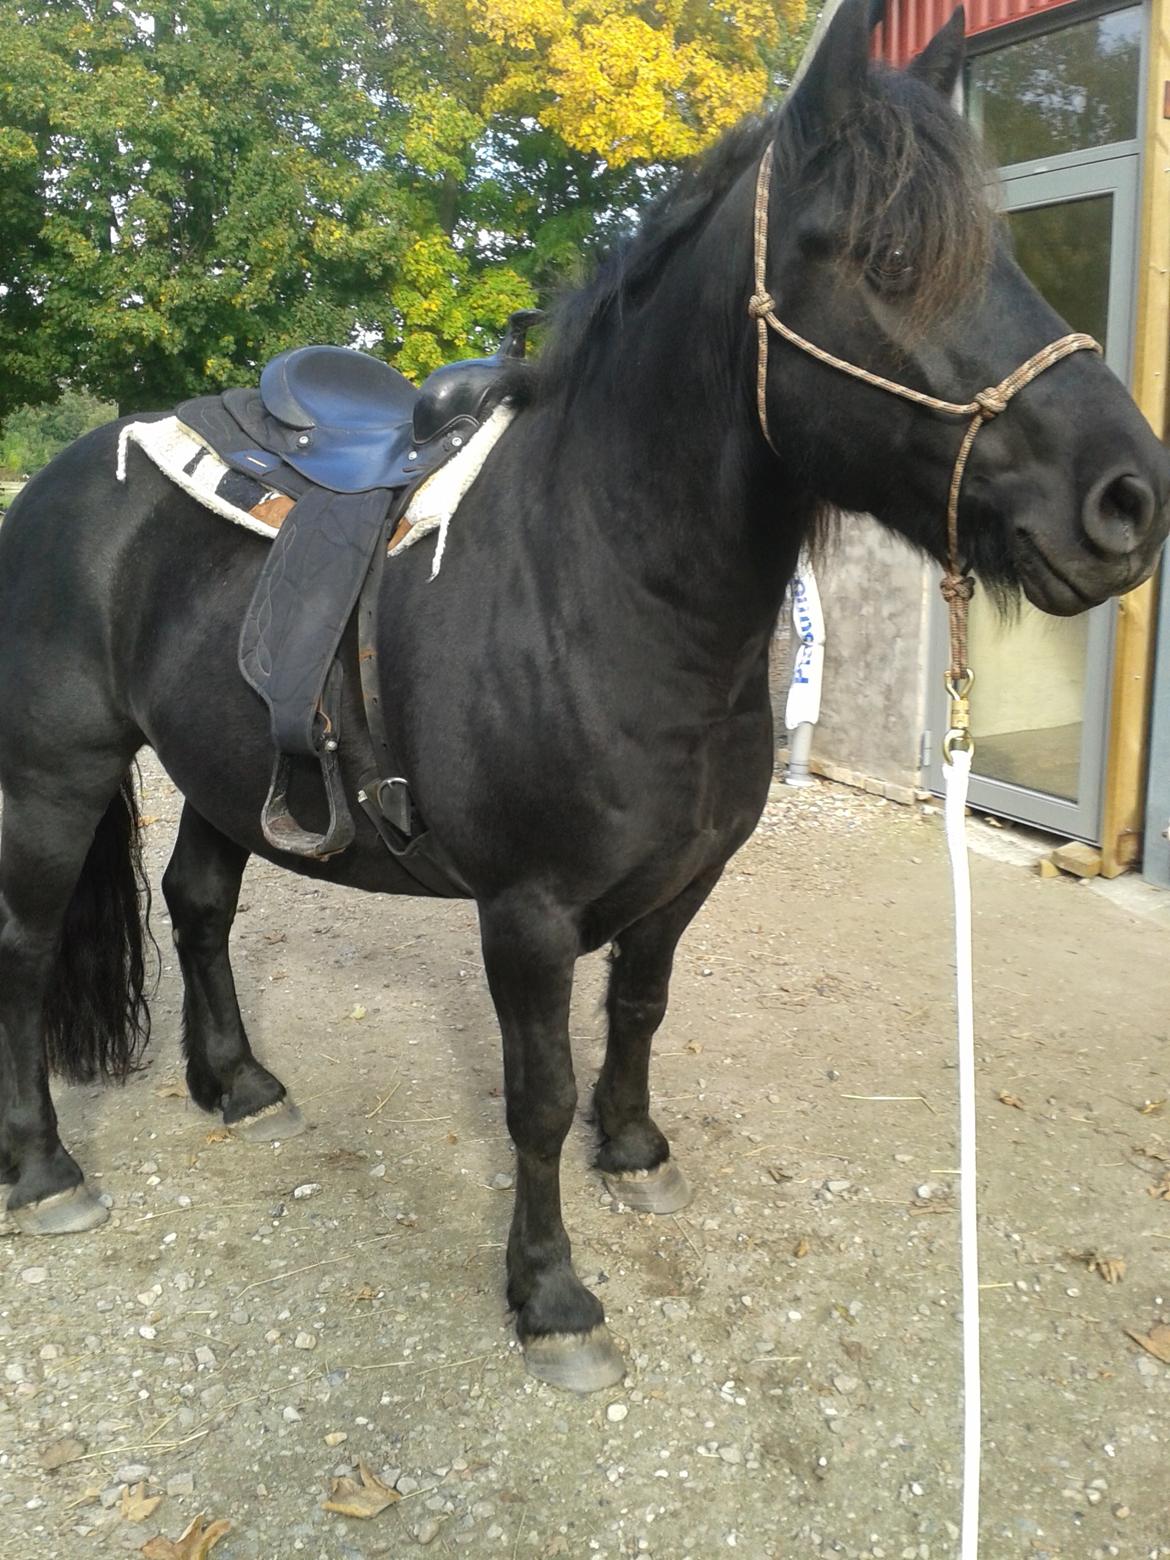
(956, 587)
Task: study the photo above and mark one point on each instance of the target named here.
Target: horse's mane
(903, 171)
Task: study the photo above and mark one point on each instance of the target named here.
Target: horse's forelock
(906, 173)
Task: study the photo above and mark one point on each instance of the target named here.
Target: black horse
(580, 697)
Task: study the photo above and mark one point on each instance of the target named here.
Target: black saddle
(349, 439)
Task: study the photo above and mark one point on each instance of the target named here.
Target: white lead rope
(956, 773)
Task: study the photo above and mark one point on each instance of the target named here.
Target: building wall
(911, 24)
(874, 591)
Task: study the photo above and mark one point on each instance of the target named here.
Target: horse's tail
(96, 1019)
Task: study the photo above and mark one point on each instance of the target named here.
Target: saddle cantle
(349, 439)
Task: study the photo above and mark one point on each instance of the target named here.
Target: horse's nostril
(1118, 512)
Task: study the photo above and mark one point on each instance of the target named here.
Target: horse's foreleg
(529, 953)
(633, 1153)
(47, 834)
(202, 889)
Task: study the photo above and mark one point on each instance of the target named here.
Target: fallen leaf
(145, 823)
(1155, 1342)
(366, 1292)
(802, 1247)
(220, 1135)
(452, 1137)
(694, 1047)
(557, 1545)
(275, 937)
(369, 1498)
(1160, 1189)
(358, 1012)
(195, 1542)
(1111, 1269)
(172, 1091)
(778, 1173)
(1005, 1098)
(1151, 1107)
(58, 1453)
(1159, 1154)
(136, 1505)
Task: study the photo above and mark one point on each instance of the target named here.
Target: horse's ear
(838, 70)
(941, 62)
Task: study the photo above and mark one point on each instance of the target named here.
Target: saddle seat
(350, 423)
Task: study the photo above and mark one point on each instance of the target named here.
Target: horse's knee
(200, 916)
(540, 1125)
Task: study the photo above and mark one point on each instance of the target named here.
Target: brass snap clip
(958, 736)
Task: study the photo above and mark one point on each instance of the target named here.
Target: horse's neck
(669, 461)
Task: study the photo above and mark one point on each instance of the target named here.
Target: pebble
(336, 1437)
(305, 1340)
(616, 1412)
(731, 1454)
(428, 1530)
(378, 1172)
(132, 1473)
(846, 1384)
(181, 1484)
(204, 1357)
(148, 1333)
(290, 1416)
(308, 1189)
(838, 1186)
(34, 1275)
(503, 1181)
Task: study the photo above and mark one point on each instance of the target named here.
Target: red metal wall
(910, 24)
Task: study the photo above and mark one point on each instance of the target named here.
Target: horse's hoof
(579, 1362)
(271, 1125)
(662, 1190)
(64, 1213)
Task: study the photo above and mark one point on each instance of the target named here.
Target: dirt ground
(252, 1321)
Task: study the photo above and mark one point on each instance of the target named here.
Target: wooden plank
(1132, 675)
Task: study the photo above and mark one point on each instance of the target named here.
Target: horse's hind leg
(633, 1153)
(529, 953)
(202, 889)
(48, 834)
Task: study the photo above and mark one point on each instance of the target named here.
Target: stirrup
(281, 829)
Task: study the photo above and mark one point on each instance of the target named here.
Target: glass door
(1040, 704)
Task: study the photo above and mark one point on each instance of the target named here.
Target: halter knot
(991, 402)
(957, 587)
(761, 303)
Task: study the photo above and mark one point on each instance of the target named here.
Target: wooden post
(1129, 715)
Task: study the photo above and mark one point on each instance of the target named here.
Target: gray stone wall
(875, 593)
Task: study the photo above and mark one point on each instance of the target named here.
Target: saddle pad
(190, 463)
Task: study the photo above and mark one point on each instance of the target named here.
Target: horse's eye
(891, 270)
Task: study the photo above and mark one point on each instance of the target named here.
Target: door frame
(1112, 171)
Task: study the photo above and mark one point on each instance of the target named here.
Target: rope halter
(957, 588)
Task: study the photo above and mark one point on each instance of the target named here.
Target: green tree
(33, 434)
(186, 190)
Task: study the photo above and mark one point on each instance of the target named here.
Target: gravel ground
(253, 1321)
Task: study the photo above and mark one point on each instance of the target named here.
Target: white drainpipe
(803, 708)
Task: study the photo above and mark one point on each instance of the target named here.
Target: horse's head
(883, 249)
